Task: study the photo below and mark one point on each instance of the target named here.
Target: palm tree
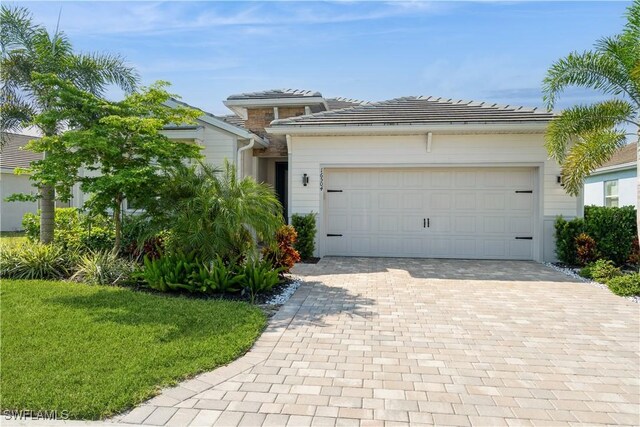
(28, 48)
(584, 137)
(213, 212)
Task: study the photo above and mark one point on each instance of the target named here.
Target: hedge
(613, 229)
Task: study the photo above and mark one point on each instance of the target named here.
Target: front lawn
(95, 351)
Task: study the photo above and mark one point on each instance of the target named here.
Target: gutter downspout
(239, 164)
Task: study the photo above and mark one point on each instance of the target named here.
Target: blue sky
(492, 51)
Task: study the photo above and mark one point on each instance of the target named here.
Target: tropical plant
(259, 277)
(171, 272)
(282, 254)
(627, 285)
(583, 137)
(34, 261)
(215, 213)
(121, 141)
(224, 277)
(28, 49)
(305, 226)
(103, 268)
(601, 271)
(586, 251)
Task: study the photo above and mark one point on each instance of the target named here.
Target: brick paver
(374, 342)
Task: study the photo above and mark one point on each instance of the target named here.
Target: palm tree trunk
(47, 213)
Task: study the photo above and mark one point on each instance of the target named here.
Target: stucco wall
(310, 153)
(627, 188)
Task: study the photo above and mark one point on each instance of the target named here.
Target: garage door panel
(361, 223)
(437, 201)
(465, 201)
(472, 212)
(466, 179)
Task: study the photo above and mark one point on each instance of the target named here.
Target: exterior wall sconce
(305, 179)
(559, 180)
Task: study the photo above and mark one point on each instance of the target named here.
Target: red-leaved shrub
(282, 254)
(586, 251)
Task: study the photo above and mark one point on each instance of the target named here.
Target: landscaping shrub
(601, 271)
(259, 276)
(634, 256)
(137, 243)
(34, 261)
(213, 212)
(282, 254)
(217, 276)
(305, 226)
(73, 229)
(171, 272)
(613, 229)
(103, 268)
(585, 249)
(627, 285)
(566, 234)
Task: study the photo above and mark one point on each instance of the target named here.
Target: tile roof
(276, 93)
(419, 110)
(626, 154)
(13, 156)
(338, 103)
(234, 120)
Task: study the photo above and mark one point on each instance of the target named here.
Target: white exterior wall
(311, 153)
(12, 212)
(218, 145)
(594, 192)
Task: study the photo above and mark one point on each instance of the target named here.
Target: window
(611, 194)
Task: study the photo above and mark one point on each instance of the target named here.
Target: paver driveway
(386, 341)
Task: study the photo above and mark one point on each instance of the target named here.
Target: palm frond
(589, 152)
(92, 72)
(591, 70)
(16, 28)
(580, 120)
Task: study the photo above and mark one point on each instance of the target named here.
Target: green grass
(12, 238)
(96, 351)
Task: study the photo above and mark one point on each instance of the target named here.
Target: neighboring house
(616, 182)
(12, 157)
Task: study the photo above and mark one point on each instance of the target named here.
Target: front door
(282, 179)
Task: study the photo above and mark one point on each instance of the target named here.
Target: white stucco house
(616, 182)
(409, 177)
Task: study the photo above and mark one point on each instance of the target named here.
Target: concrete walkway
(398, 341)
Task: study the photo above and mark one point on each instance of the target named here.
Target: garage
(438, 212)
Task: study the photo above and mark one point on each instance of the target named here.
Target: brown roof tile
(13, 156)
(419, 110)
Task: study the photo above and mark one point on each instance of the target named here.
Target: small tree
(114, 150)
(27, 49)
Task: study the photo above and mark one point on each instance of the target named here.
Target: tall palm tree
(28, 48)
(584, 137)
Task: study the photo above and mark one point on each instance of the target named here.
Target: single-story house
(616, 182)
(409, 177)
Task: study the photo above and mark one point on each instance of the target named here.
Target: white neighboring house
(12, 157)
(616, 182)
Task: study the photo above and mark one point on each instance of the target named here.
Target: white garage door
(479, 213)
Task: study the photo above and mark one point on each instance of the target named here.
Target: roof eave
(535, 127)
(615, 168)
(219, 123)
